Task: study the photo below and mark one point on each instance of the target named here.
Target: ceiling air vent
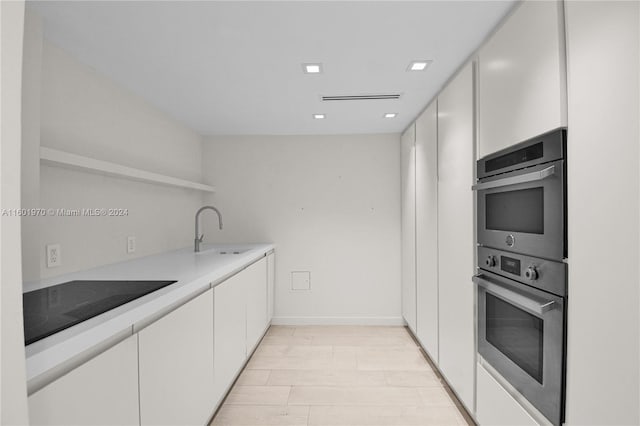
(361, 97)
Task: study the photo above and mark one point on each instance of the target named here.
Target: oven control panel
(510, 265)
(547, 275)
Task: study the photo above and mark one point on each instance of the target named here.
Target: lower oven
(521, 333)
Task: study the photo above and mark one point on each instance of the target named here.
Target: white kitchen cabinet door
(103, 391)
(176, 366)
(603, 151)
(522, 84)
(408, 188)
(496, 407)
(230, 331)
(257, 300)
(271, 284)
(456, 248)
(426, 148)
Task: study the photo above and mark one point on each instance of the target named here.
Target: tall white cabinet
(603, 45)
(408, 188)
(426, 228)
(456, 248)
(522, 84)
(438, 234)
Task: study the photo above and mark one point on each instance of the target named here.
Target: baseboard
(337, 321)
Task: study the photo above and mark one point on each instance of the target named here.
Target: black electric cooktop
(52, 309)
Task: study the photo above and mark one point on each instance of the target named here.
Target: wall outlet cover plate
(54, 255)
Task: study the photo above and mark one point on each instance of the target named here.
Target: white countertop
(194, 273)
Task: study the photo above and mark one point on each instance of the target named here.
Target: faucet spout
(198, 239)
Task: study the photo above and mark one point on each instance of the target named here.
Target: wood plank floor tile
(352, 395)
(412, 378)
(382, 416)
(259, 415)
(253, 378)
(258, 395)
(281, 330)
(434, 396)
(326, 378)
(294, 350)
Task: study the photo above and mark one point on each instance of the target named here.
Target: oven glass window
(516, 211)
(515, 333)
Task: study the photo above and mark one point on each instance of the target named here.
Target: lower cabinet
(271, 284)
(103, 391)
(176, 366)
(257, 300)
(495, 406)
(240, 319)
(230, 331)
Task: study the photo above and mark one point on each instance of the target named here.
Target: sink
(224, 250)
(232, 251)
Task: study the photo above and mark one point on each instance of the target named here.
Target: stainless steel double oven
(522, 278)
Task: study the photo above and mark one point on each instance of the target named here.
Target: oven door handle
(539, 307)
(527, 177)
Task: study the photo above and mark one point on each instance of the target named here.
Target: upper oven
(521, 197)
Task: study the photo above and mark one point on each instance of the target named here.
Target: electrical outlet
(131, 244)
(54, 255)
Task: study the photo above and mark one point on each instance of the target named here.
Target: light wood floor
(338, 375)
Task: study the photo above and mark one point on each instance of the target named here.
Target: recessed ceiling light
(390, 115)
(319, 116)
(312, 68)
(420, 65)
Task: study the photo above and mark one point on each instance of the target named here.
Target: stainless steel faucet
(199, 238)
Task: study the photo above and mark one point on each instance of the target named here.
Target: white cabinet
(496, 407)
(522, 85)
(103, 391)
(456, 248)
(426, 228)
(230, 331)
(176, 366)
(408, 188)
(240, 320)
(257, 301)
(603, 48)
(271, 284)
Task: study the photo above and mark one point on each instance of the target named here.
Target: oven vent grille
(375, 97)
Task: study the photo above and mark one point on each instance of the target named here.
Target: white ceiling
(235, 67)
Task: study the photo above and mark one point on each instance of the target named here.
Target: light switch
(300, 280)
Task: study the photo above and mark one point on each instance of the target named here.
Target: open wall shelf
(55, 157)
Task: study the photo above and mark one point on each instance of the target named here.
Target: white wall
(331, 204)
(84, 113)
(603, 208)
(13, 390)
